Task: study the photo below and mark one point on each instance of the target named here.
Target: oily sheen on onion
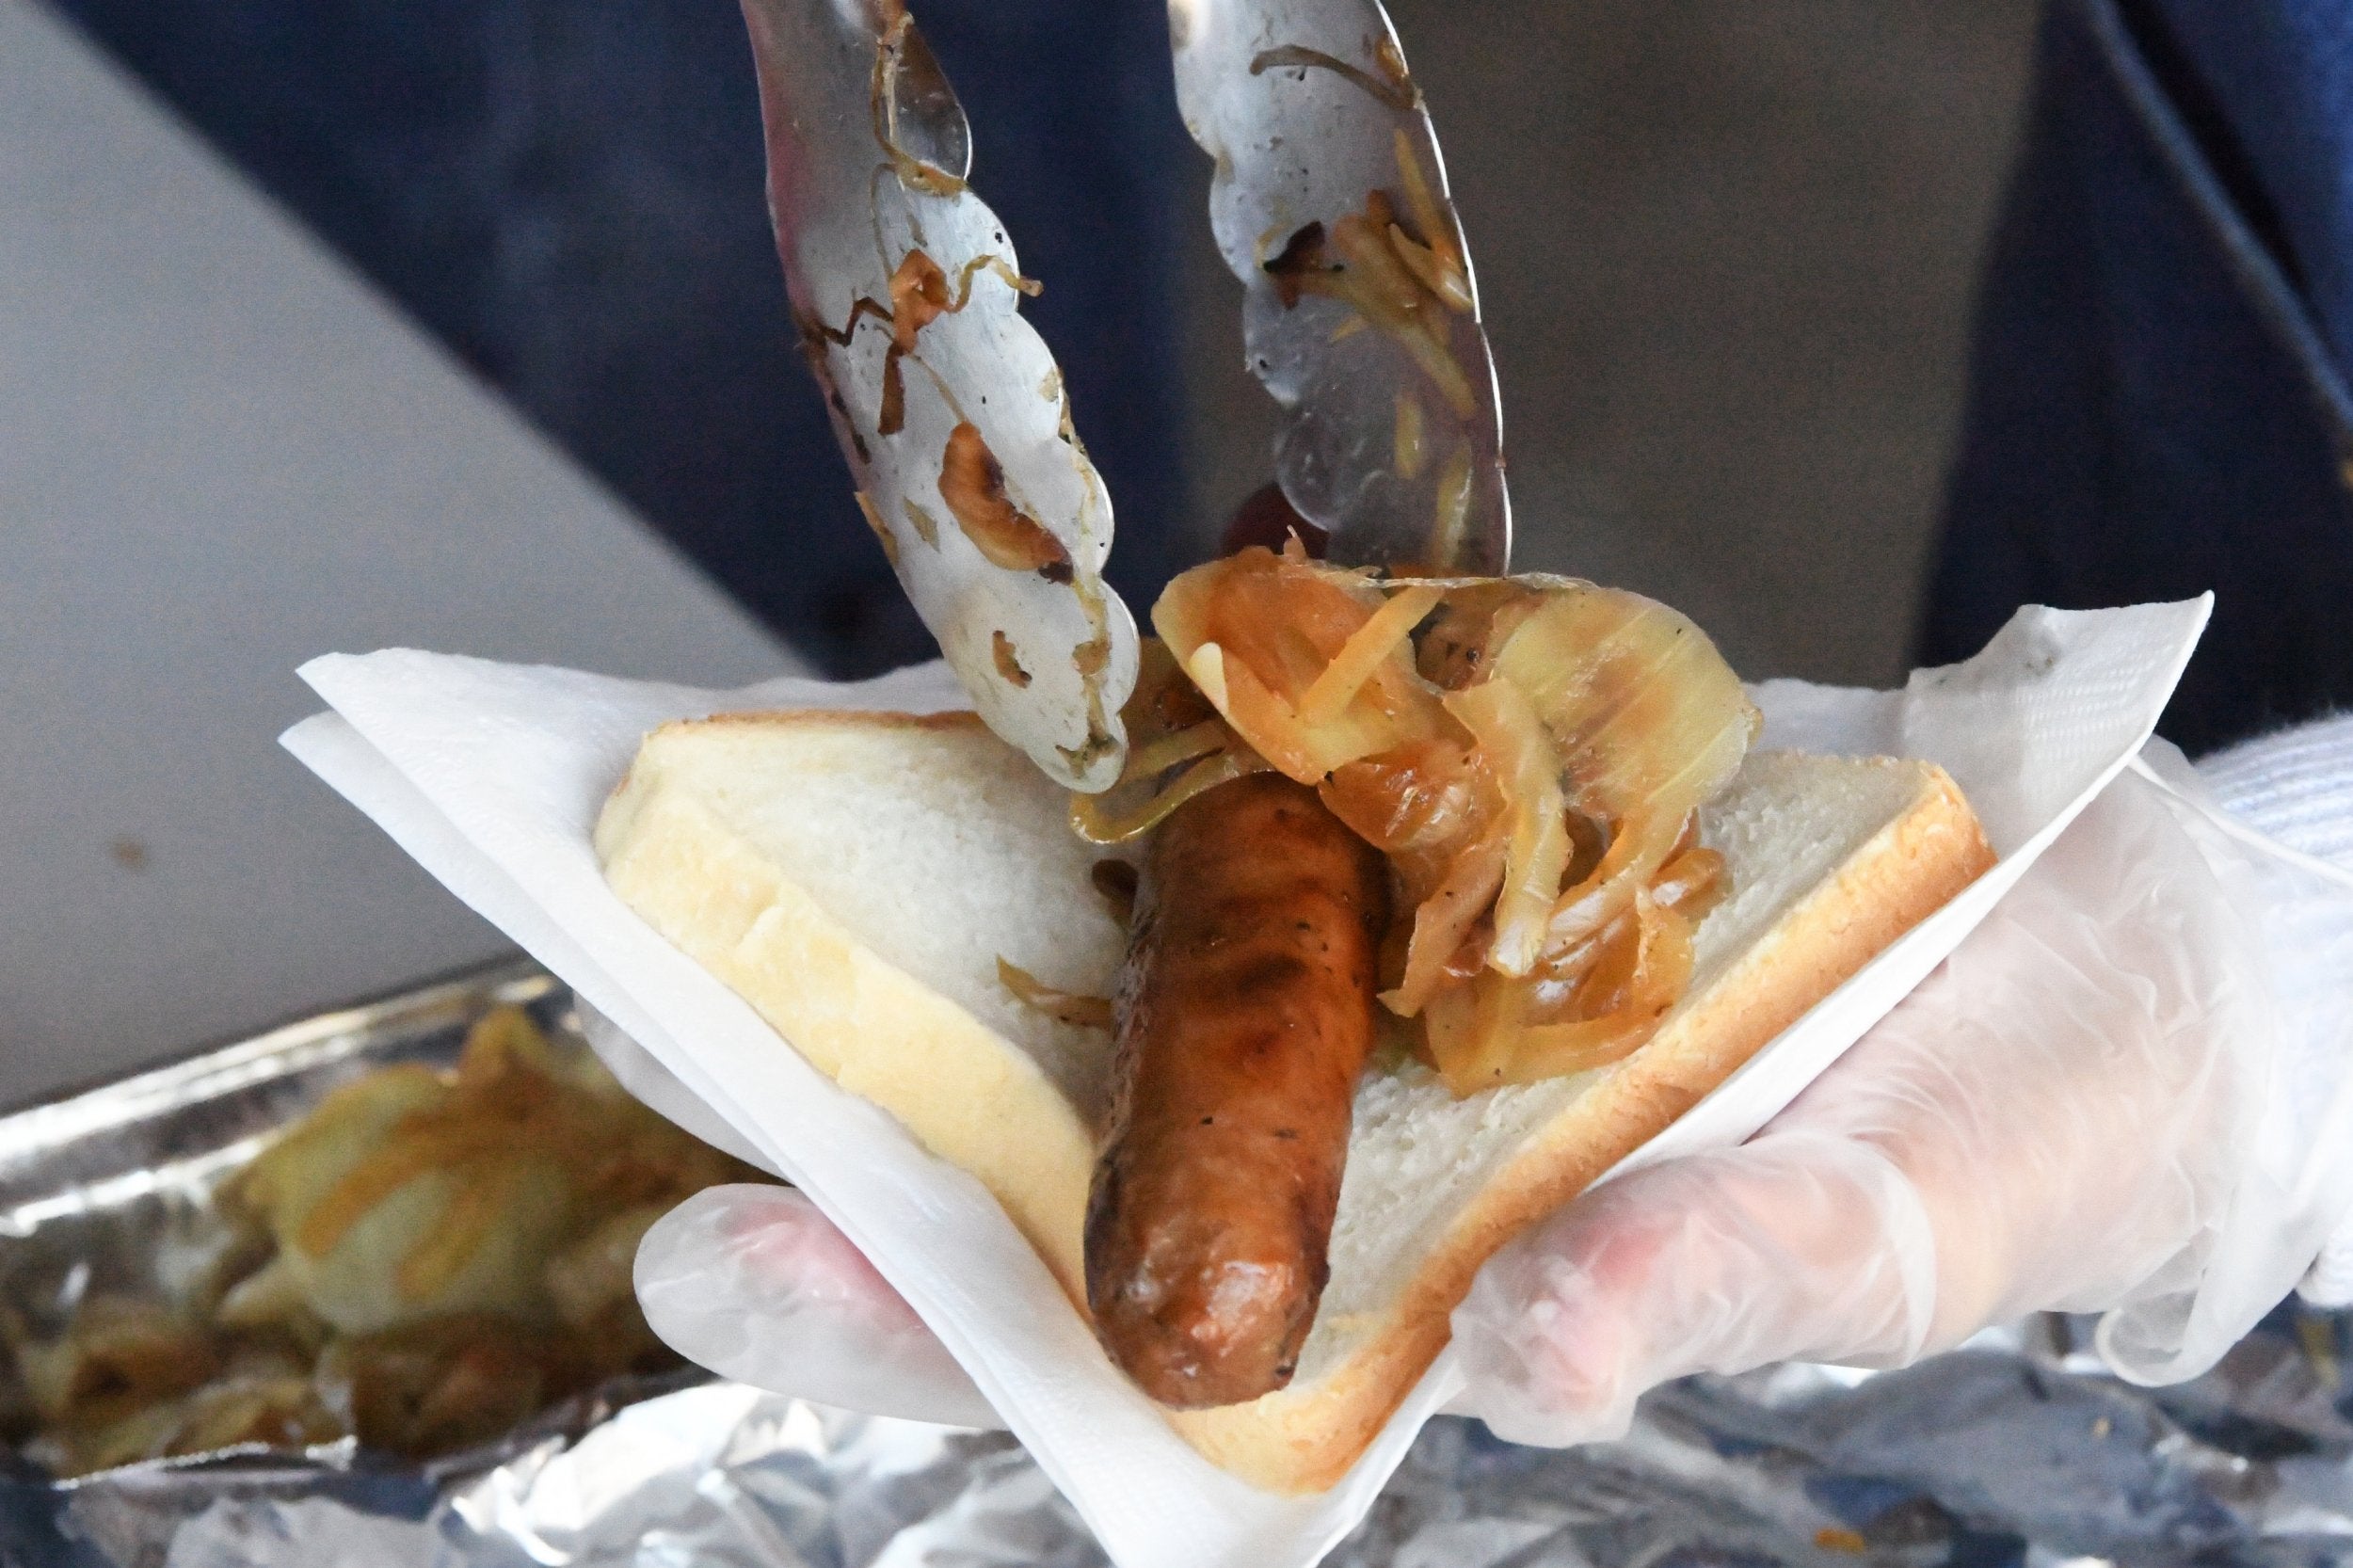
(1531, 754)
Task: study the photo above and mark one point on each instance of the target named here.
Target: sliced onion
(1371, 644)
(1165, 752)
(1258, 632)
(1486, 1035)
(1432, 807)
(1520, 754)
(1692, 883)
(1470, 1031)
(1471, 622)
(1662, 968)
(1634, 856)
(1067, 1007)
(1093, 822)
(1168, 726)
(1444, 922)
(1649, 721)
(1556, 1050)
(1532, 768)
(1419, 804)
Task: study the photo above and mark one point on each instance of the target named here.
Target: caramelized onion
(1098, 825)
(1691, 882)
(1168, 727)
(1433, 810)
(1536, 856)
(1371, 646)
(1420, 800)
(1256, 630)
(1166, 751)
(1531, 754)
(1455, 915)
(1067, 1007)
(1498, 1031)
(972, 483)
(1650, 723)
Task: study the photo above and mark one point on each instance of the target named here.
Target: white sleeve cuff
(2296, 786)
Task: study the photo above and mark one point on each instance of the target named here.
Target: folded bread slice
(858, 877)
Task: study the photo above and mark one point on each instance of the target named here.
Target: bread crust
(931, 1061)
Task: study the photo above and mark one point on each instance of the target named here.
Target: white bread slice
(856, 877)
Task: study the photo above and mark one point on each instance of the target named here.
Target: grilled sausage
(1245, 1013)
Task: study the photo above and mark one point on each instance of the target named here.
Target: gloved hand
(2126, 1091)
(753, 1283)
(2078, 1111)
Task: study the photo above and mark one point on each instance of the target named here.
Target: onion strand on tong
(1329, 201)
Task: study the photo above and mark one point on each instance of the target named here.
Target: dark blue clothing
(569, 193)
(2158, 402)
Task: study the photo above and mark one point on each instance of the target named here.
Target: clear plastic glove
(753, 1283)
(2095, 1105)
(2107, 1099)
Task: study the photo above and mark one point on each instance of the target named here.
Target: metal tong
(1361, 317)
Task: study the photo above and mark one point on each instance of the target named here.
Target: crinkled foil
(2017, 1449)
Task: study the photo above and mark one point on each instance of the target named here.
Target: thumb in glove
(755, 1284)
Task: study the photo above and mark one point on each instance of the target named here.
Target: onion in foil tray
(1530, 753)
(424, 1261)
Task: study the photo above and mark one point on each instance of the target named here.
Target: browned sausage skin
(1246, 1016)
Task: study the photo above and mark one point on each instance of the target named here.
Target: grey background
(219, 456)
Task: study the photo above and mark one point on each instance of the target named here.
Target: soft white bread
(856, 876)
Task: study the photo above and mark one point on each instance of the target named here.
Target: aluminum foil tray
(2017, 1449)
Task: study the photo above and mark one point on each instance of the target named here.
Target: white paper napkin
(491, 776)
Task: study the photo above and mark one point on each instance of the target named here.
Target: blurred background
(457, 323)
(1725, 250)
